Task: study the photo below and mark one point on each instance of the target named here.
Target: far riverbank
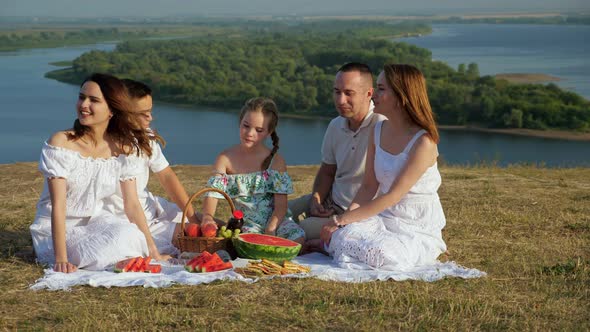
(553, 134)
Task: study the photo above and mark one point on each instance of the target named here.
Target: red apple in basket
(192, 230)
(209, 230)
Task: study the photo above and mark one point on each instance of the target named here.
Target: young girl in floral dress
(254, 176)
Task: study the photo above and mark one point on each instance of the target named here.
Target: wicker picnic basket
(201, 243)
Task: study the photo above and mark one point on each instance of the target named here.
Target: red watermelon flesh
(138, 264)
(146, 263)
(211, 261)
(268, 240)
(124, 265)
(217, 267)
(153, 268)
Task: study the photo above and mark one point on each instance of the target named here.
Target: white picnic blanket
(322, 267)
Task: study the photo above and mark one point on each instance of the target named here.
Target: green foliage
(295, 65)
(51, 38)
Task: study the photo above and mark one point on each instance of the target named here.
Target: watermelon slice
(217, 267)
(153, 268)
(188, 264)
(213, 260)
(207, 262)
(146, 262)
(258, 246)
(124, 265)
(192, 265)
(138, 265)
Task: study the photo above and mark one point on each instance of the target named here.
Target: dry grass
(529, 228)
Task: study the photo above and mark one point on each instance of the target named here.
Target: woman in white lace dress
(84, 165)
(396, 218)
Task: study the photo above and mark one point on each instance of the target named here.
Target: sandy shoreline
(527, 77)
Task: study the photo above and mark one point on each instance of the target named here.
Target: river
(33, 107)
(557, 50)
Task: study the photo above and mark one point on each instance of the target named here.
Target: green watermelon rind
(259, 251)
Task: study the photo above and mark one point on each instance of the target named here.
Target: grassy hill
(527, 227)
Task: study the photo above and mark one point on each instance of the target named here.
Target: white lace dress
(161, 215)
(94, 238)
(403, 236)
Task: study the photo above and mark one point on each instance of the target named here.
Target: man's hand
(316, 208)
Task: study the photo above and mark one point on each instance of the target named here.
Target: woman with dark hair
(396, 218)
(84, 165)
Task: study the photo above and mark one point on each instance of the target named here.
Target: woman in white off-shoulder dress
(93, 239)
(82, 167)
(396, 218)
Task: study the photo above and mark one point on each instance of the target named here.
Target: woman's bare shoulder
(426, 148)
(60, 139)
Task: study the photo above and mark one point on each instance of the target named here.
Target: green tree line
(297, 71)
(51, 38)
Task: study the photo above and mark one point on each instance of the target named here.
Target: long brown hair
(268, 108)
(123, 127)
(409, 86)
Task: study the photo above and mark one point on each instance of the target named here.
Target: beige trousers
(310, 224)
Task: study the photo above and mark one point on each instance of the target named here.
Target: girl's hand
(194, 219)
(208, 219)
(270, 231)
(65, 267)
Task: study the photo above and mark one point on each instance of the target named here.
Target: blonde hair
(268, 108)
(409, 86)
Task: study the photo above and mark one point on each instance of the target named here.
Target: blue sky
(95, 8)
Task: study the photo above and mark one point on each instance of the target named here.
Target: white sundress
(403, 236)
(161, 215)
(95, 239)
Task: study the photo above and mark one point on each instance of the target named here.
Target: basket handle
(197, 194)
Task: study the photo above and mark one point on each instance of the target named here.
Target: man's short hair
(137, 89)
(362, 68)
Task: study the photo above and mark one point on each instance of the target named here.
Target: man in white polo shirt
(344, 150)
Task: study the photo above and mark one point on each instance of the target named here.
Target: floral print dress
(253, 193)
